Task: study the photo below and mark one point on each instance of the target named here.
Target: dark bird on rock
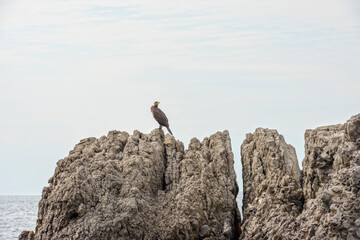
(160, 116)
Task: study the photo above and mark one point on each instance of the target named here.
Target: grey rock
(141, 186)
(203, 230)
(351, 236)
(323, 203)
(326, 197)
(357, 222)
(27, 235)
(272, 191)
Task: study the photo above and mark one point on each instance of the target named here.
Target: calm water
(17, 213)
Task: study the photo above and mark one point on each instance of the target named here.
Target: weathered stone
(203, 230)
(351, 236)
(272, 190)
(146, 186)
(329, 205)
(357, 222)
(26, 235)
(141, 186)
(326, 197)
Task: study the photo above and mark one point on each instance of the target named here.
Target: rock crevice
(320, 202)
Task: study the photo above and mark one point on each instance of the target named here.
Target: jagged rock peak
(141, 186)
(271, 180)
(323, 204)
(331, 183)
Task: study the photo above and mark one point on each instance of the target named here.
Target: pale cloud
(166, 28)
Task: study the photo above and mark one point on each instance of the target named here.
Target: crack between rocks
(165, 168)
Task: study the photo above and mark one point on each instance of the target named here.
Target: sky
(76, 69)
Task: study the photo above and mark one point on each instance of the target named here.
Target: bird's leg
(160, 126)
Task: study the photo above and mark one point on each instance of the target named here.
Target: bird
(160, 116)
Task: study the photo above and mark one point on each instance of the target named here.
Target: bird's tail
(169, 130)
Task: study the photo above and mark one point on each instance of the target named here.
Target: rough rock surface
(272, 190)
(324, 203)
(141, 186)
(332, 182)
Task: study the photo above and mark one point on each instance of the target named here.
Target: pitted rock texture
(332, 182)
(272, 190)
(323, 204)
(141, 186)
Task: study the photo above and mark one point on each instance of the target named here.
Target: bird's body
(160, 116)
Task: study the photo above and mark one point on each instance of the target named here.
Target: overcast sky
(76, 69)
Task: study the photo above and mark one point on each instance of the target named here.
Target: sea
(17, 213)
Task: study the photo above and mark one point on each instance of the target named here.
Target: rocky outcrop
(332, 182)
(146, 186)
(272, 191)
(321, 202)
(141, 186)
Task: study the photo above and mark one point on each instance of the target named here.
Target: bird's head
(156, 103)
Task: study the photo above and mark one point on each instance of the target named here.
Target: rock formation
(272, 189)
(141, 186)
(146, 186)
(321, 202)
